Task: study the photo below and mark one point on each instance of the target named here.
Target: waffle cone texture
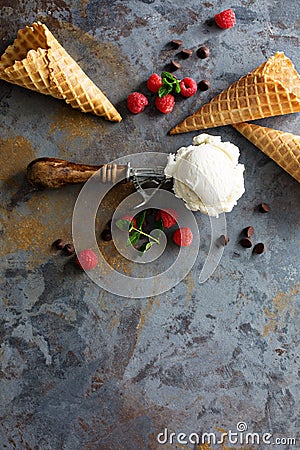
(270, 90)
(38, 62)
(282, 147)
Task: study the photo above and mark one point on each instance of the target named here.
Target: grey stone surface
(84, 369)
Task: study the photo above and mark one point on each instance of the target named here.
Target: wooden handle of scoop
(54, 173)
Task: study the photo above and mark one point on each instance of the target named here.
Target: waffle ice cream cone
(270, 90)
(282, 147)
(38, 62)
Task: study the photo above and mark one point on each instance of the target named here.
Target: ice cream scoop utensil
(54, 173)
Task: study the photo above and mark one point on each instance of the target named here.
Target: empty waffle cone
(270, 90)
(38, 62)
(282, 147)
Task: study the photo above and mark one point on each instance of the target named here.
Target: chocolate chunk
(280, 351)
(176, 43)
(259, 248)
(246, 242)
(106, 235)
(204, 85)
(264, 208)
(69, 249)
(175, 65)
(203, 52)
(59, 244)
(210, 22)
(185, 53)
(249, 231)
(224, 240)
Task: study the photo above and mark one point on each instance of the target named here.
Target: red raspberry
(87, 259)
(136, 102)
(154, 82)
(188, 87)
(165, 104)
(183, 237)
(168, 216)
(225, 19)
(130, 219)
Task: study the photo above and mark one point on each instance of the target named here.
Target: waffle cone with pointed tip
(282, 147)
(38, 62)
(270, 90)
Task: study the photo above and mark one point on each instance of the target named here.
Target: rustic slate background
(84, 369)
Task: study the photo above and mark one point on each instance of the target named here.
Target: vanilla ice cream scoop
(207, 175)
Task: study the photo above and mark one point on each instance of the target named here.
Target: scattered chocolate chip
(203, 52)
(249, 231)
(69, 249)
(259, 248)
(210, 22)
(108, 225)
(204, 85)
(175, 65)
(246, 242)
(59, 244)
(280, 351)
(176, 43)
(224, 240)
(186, 53)
(106, 235)
(264, 208)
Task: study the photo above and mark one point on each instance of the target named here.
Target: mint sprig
(170, 83)
(136, 233)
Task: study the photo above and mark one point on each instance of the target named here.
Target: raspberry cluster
(164, 86)
(138, 226)
(166, 83)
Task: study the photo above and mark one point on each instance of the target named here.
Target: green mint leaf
(123, 225)
(145, 246)
(168, 77)
(159, 234)
(159, 225)
(133, 238)
(142, 248)
(140, 219)
(177, 87)
(164, 90)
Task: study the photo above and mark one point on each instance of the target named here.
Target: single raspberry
(165, 104)
(87, 259)
(168, 216)
(154, 82)
(183, 237)
(225, 19)
(130, 219)
(188, 87)
(136, 102)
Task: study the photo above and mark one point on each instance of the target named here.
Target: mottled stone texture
(82, 369)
